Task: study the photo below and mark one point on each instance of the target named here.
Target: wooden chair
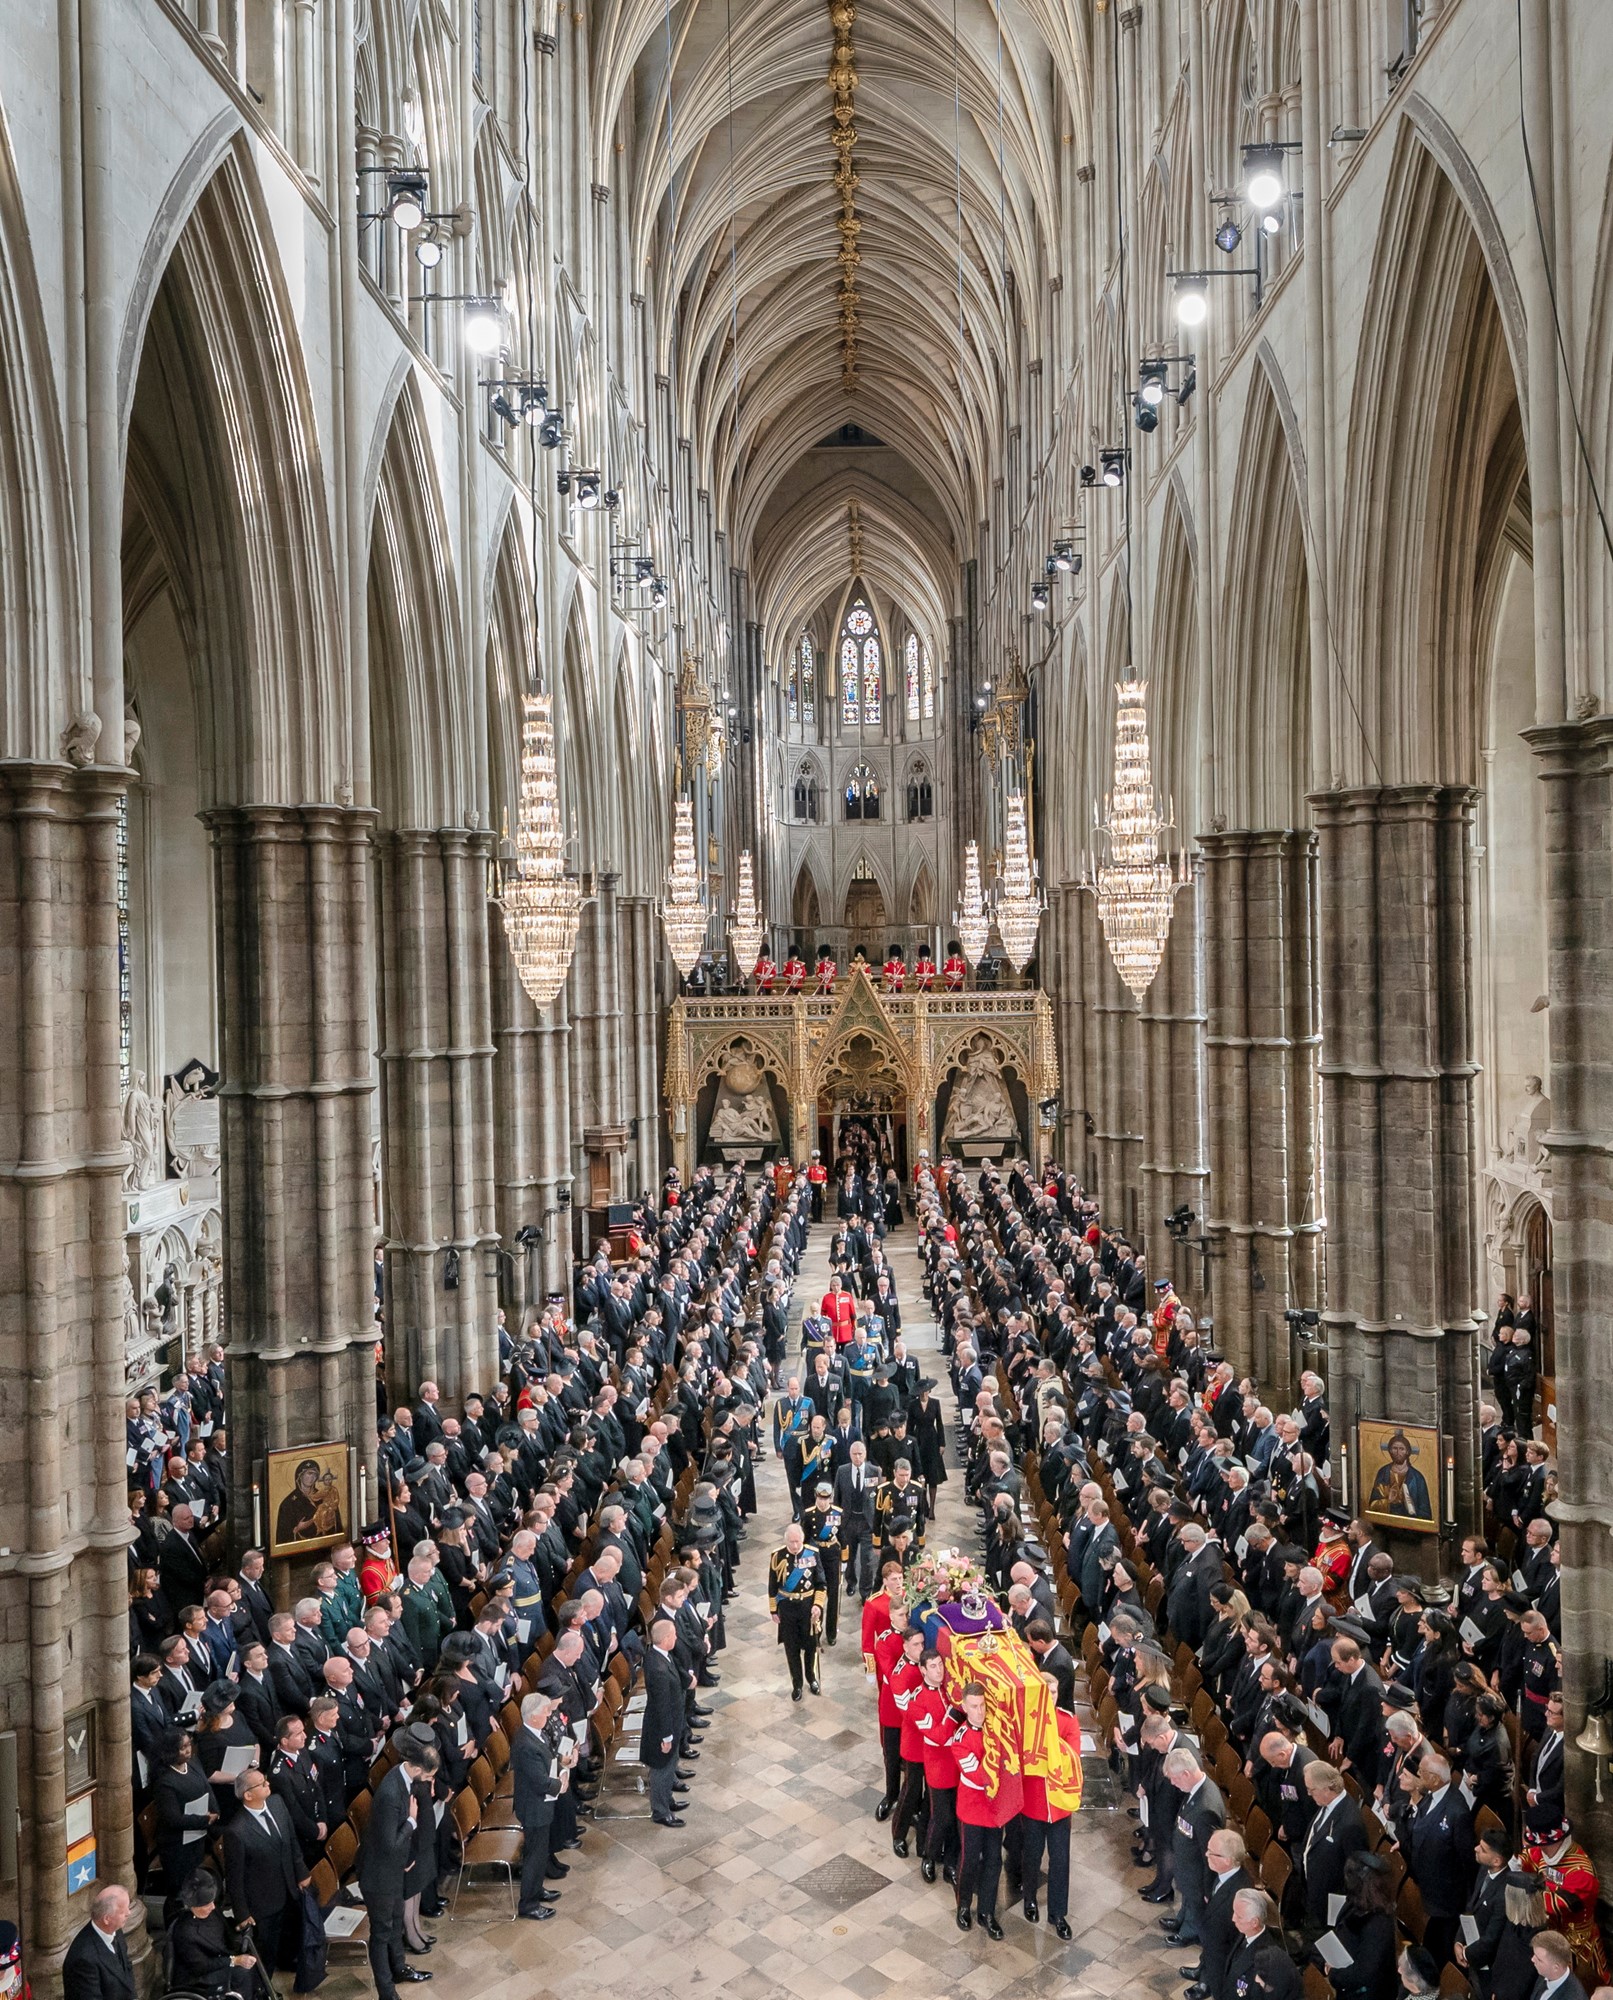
(1256, 1830)
(1453, 1984)
(1409, 1911)
(1214, 1738)
(341, 1850)
(1486, 1820)
(482, 1847)
(1315, 1985)
(327, 1890)
(1275, 1872)
(359, 1811)
(1202, 1711)
(1241, 1802)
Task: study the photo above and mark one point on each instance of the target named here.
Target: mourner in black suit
(384, 1860)
(97, 1963)
(262, 1865)
(1438, 1845)
(1337, 1832)
(663, 1722)
(538, 1782)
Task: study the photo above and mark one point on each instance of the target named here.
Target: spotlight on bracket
(1263, 175)
(484, 324)
(1114, 463)
(1041, 597)
(406, 198)
(1228, 236)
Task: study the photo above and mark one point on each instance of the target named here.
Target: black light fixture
(1089, 475)
(1229, 235)
(552, 431)
(587, 485)
(1116, 462)
(1263, 175)
(406, 197)
(658, 592)
(1151, 380)
(1041, 597)
(1144, 414)
(644, 569)
(1066, 558)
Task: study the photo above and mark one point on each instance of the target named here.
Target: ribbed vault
(961, 116)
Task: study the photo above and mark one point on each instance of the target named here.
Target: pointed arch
(423, 771)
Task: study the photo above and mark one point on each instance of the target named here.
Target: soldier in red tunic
(954, 971)
(827, 971)
(895, 971)
(794, 973)
(924, 970)
(766, 974)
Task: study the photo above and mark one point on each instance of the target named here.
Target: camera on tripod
(1302, 1316)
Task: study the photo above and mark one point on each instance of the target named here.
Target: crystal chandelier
(683, 910)
(747, 927)
(541, 901)
(1135, 885)
(1019, 902)
(972, 922)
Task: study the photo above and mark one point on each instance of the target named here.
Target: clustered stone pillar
(596, 1033)
(1261, 1041)
(1173, 1170)
(437, 1136)
(293, 914)
(1114, 1079)
(644, 1031)
(1061, 955)
(1397, 1080)
(63, 1582)
(1576, 762)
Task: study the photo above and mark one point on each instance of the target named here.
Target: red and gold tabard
(924, 972)
(895, 975)
(828, 971)
(783, 1175)
(766, 974)
(1571, 1890)
(1164, 1318)
(954, 972)
(794, 974)
(1021, 1737)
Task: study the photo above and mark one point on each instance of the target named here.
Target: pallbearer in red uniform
(794, 973)
(1045, 1827)
(827, 970)
(895, 970)
(766, 974)
(981, 1812)
(924, 970)
(937, 1722)
(888, 1655)
(954, 971)
(907, 1678)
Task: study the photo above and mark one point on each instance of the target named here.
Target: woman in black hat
(221, 1730)
(928, 1436)
(1366, 1930)
(1486, 1758)
(1432, 1673)
(186, 1814)
(459, 1566)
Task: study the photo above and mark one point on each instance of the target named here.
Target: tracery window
(805, 795)
(920, 794)
(911, 676)
(862, 794)
(927, 682)
(862, 684)
(801, 686)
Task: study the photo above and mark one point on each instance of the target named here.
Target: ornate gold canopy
(860, 1041)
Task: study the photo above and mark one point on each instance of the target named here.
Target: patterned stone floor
(782, 1883)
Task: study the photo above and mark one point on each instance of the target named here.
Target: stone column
(437, 1145)
(292, 896)
(1068, 994)
(1114, 1079)
(1173, 1170)
(597, 1030)
(1397, 1082)
(1261, 1044)
(644, 1039)
(63, 1580)
(1576, 761)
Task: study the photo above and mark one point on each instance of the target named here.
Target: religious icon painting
(1397, 1466)
(306, 1491)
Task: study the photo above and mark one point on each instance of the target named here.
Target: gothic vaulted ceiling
(813, 177)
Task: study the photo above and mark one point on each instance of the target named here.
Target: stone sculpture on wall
(980, 1111)
(142, 1132)
(743, 1114)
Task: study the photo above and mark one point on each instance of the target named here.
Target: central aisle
(782, 1882)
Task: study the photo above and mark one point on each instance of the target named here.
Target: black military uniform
(796, 1593)
(897, 1507)
(821, 1523)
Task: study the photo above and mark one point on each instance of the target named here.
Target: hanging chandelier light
(1019, 901)
(1135, 884)
(747, 927)
(683, 910)
(973, 920)
(541, 901)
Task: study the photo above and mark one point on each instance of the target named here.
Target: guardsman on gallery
(766, 974)
(924, 969)
(895, 970)
(828, 971)
(794, 973)
(954, 971)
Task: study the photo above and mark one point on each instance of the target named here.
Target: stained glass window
(850, 686)
(873, 681)
(927, 676)
(910, 676)
(792, 692)
(809, 680)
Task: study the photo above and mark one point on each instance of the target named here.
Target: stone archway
(865, 1079)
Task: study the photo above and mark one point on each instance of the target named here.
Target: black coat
(1371, 1973)
(1221, 1938)
(1196, 1819)
(389, 1843)
(1260, 1969)
(262, 1864)
(536, 1779)
(1328, 1846)
(1438, 1846)
(663, 1709)
(91, 1972)
(927, 1429)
